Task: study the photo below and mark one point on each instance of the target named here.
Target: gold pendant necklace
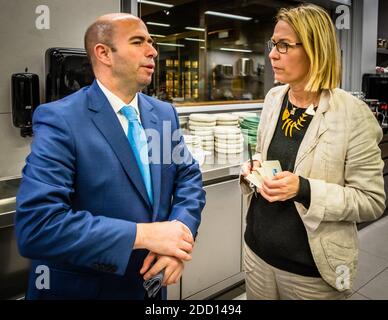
(289, 124)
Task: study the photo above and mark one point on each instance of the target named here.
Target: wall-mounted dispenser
(67, 70)
(25, 98)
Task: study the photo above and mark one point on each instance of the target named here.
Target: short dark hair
(99, 32)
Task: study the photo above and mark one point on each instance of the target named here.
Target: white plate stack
(243, 115)
(202, 125)
(193, 144)
(227, 120)
(228, 140)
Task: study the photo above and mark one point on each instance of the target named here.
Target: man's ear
(103, 53)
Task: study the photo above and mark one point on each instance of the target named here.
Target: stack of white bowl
(228, 140)
(227, 119)
(202, 125)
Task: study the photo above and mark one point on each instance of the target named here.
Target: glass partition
(211, 50)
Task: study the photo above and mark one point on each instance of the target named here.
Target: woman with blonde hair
(301, 235)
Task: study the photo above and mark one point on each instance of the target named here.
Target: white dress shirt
(117, 104)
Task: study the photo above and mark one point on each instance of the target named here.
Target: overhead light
(237, 50)
(170, 44)
(154, 3)
(195, 29)
(195, 39)
(157, 35)
(227, 15)
(157, 24)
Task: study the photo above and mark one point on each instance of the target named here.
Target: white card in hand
(263, 173)
(271, 168)
(255, 178)
(268, 170)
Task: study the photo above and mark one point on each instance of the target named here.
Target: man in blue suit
(98, 214)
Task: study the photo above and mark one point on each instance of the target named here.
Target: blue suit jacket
(82, 194)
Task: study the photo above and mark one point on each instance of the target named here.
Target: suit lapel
(153, 129)
(106, 121)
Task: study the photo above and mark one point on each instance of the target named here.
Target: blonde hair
(316, 31)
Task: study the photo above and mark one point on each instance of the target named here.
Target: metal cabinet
(216, 262)
(174, 291)
(13, 268)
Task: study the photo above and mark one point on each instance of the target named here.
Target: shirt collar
(116, 102)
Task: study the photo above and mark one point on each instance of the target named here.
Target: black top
(275, 232)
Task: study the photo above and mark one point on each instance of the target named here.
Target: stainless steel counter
(220, 166)
(13, 268)
(8, 190)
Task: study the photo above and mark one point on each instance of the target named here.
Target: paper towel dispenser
(67, 70)
(25, 98)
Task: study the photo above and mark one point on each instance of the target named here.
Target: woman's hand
(284, 186)
(246, 167)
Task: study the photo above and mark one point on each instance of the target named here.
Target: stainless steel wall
(23, 45)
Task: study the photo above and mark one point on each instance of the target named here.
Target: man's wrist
(139, 240)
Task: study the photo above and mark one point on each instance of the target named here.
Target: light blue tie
(138, 141)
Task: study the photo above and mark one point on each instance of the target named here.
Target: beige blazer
(340, 157)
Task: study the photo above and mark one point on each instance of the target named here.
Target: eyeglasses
(281, 47)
